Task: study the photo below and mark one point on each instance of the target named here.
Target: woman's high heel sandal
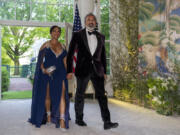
(48, 118)
(62, 120)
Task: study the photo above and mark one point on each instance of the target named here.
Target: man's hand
(105, 76)
(69, 76)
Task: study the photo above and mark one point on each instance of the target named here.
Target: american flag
(76, 27)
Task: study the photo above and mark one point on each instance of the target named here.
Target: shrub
(123, 94)
(134, 91)
(5, 80)
(164, 95)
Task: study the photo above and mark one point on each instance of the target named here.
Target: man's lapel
(98, 42)
(84, 36)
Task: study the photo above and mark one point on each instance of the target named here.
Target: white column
(85, 7)
(97, 12)
(88, 6)
(0, 63)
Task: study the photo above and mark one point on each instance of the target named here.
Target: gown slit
(48, 102)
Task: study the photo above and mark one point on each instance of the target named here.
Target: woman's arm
(65, 58)
(42, 68)
(42, 49)
(65, 63)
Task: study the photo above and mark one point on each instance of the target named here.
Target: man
(90, 65)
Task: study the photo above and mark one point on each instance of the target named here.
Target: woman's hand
(45, 71)
(105, 76)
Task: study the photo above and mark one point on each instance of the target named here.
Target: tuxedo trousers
(98, 84)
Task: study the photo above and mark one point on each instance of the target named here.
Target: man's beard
(90, 28)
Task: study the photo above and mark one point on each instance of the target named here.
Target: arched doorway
(67, 26)
(35, 13)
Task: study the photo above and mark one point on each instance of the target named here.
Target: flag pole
(76, 27)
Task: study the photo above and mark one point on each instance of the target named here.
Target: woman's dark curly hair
(53, 27)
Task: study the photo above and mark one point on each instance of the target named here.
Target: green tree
(44, 33)
(105, 18)
(17, 41)
(7, 10)
(5, 58)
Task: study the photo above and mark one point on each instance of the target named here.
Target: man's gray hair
(90, 14)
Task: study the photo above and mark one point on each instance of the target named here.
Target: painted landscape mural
(159, 36)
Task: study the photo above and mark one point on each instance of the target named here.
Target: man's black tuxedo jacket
(85, 61)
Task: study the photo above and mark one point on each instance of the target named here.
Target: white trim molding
(30, 23)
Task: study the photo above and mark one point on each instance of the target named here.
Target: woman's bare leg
(62, 107)
(48, 104)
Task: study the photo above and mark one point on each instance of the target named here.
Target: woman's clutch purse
(51, 69)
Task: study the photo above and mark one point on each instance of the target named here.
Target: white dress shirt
(92, 42)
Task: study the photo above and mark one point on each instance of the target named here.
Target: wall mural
(159, 36)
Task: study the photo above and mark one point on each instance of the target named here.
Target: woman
(50, 101)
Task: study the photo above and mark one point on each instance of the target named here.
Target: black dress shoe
(81, 123)
(109, 125)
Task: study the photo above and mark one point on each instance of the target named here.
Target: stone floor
(133, 120)
(19, 84)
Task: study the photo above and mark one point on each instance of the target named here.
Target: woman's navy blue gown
(38, 111)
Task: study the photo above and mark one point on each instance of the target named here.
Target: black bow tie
(93, 32)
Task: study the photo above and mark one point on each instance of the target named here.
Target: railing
(22, 71)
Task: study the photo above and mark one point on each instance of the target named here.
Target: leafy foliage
(158, 26)
(17, 41)
(145, 10)
(5, 78)
(4, 12)
(175, 23)
(124, 65)
(163, 93)
(105, 18)
(5, 58)
(51, 10)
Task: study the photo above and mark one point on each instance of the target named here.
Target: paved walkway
(133, 120)
(19, 84)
